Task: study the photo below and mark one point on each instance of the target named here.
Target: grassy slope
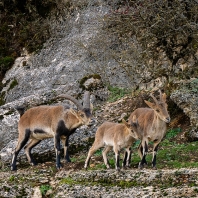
(170, 155)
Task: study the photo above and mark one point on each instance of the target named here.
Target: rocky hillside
(120, 51)
(44, 180)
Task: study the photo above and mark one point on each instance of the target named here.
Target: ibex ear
(164, 97)
(134, 121)
(150, 104)
(124, 122)
(134, 118)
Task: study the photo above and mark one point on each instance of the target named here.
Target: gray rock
(186, 97)
(76, 50)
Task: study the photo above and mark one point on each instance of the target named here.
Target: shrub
(6, 63)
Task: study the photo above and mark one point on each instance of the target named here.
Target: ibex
(43, 122)
(152, 122)
(117, 136)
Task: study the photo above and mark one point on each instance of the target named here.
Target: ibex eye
(158, 110)
(82, 115)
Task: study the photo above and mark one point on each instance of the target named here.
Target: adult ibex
(152, 122)
(43, 122)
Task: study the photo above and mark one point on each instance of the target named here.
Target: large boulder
(186, 97)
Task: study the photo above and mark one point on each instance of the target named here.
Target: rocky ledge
(100, 183)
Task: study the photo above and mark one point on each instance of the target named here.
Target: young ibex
(152, 122)
(43, 122)
(117, 136)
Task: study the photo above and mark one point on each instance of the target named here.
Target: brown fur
(48, 116)
(152, 122)
(43, 122)
(113, 135)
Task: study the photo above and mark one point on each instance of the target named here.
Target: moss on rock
(13, 84)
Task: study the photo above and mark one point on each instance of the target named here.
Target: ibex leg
(104, 154)
(28, 149)
(117, 158)
(65, 142)
(143, 148)
(92, 150)
(57, 150)
(127, 157)
(23, 139)
(155, 148)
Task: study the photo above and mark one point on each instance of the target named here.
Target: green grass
(170, 154)
(116, 93)
(98, 152)
(103, 182)
(44, 189)
(80, 158)
(12, 178)
(68, 181)
(171, 133)
(178, 155)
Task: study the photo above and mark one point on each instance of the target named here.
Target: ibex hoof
(145, 165)
(118, 169)
(13, 168)
(128, 166)
(67, 160)
(33, 163)
(140, 166)
(59, 166)
(85, 167)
